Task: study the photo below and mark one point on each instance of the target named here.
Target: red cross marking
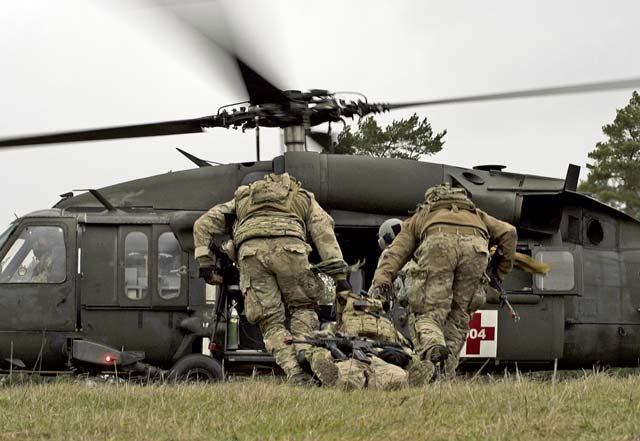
(478, 333)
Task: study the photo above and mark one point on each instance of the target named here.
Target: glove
(343, 285)
(211, 275)
(380, 292)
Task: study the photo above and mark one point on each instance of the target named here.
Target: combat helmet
(388, 231)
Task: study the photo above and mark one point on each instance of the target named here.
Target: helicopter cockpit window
(37, 256)
(561, 277)
(136, 266)
(169, 266)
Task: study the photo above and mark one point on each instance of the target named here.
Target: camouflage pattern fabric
(352, 374)
(368, 324)
(385, 376)
(414, 231)
(450, 269)
(273, 269)
(274, 218)
(456, 328)
(378, 375)
(456, 325)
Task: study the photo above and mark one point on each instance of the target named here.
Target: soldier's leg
(431, 293)
(385, 376)
(455, 333)
(457, 327)
(302, 289)
(466, 287)
(264, 307)
(351, 374)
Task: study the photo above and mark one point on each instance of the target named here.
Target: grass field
(590, 406)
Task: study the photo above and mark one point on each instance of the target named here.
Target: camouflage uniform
(456, 328)
(449, 236)
(378, 374)
(274, 216)
(457, 323)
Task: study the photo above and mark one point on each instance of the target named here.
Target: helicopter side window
(561, 277)
(169, 266)
(136, 265)
(37, 256)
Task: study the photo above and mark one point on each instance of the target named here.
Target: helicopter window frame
(177, 273)
(126, 276)
(544, 285)
(59, 259)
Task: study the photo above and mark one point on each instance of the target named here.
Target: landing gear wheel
(196, 368)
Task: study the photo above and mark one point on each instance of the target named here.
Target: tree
(406, 139)
(614, 176)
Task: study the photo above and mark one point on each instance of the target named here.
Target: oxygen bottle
(233, 327)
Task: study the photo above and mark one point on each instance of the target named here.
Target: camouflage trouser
(456, 328)
(271, 270)
(449, 271)
(379, 375)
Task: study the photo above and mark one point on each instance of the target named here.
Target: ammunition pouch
(364, 317)
(269, 224)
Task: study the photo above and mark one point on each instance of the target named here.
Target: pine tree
(614, 176)
(407, 139)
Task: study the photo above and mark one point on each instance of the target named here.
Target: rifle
(494, 282)
(345, 347)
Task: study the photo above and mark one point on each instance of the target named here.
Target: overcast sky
(82, 64)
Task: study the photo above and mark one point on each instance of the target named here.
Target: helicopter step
(248, 356)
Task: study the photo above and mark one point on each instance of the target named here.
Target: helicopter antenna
(100, 197)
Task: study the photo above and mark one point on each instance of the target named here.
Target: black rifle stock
(495, 283)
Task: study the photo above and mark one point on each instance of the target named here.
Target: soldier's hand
(211, 275)
(381, 292)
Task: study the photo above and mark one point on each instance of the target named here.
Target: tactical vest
(368, 324)
(271, 207)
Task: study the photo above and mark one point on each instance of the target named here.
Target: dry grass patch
(596, 406)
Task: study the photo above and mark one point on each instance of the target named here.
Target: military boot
(420, 372)
(301, 379)
(438, 354)
(326, 370)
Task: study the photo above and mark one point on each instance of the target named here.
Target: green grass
(592, 406)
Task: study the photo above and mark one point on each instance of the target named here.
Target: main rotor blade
(177, 127)
(631, 83)
(260, 90)
(198, 19)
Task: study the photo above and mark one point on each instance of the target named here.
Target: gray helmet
(388, 231)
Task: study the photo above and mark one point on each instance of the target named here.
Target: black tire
(196, 368)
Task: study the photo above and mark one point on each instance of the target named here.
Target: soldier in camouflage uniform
(457, 323)
(274, 216)
(382, 372)
(450, 238)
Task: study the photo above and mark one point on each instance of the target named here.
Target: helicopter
(126, 291)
